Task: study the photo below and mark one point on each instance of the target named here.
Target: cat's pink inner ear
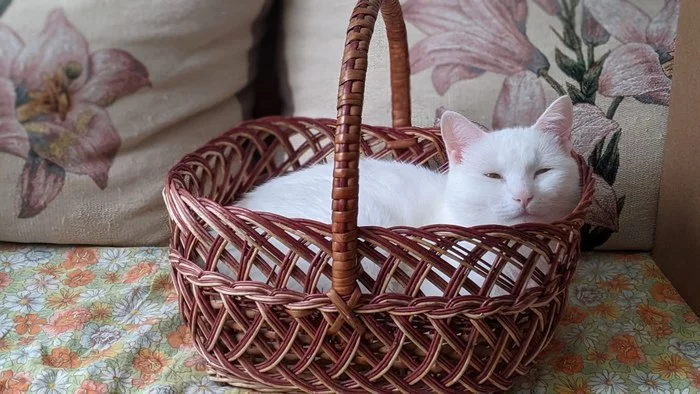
(458, 133)
(558, 119)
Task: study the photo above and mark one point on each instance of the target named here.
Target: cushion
(106, 319)
(501, 63)
(99, 99)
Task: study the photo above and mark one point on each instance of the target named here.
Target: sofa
(87, 302)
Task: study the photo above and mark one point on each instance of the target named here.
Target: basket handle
(346, 267)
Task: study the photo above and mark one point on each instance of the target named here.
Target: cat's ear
(458, 133)
(558, 119)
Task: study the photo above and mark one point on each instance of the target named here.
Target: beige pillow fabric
(99, 99)
(500, 63)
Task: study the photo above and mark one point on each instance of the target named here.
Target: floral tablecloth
(105, 320)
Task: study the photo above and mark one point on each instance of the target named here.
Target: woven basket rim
(577, 215)
(523, 231)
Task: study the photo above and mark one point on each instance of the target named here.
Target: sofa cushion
(483, 59)
(107, 319)
(99, 99)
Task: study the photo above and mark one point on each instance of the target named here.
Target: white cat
(510, 176)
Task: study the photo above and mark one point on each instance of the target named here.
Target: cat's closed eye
(493, 175)
(542, 171)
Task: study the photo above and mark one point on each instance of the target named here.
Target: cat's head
(514, 175)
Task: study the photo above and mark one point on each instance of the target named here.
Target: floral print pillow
(53, 99)
(502, 62)
(98, 101)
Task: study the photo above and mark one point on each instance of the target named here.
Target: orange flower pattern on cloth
(695, 378)
(617, 284)
(665, 292)
(62, 357)
(573, 386)
(5, 280)
(77, 278)
(79, 258)
(29, 324)
(691, 318)
(573, 315)
(62, 299)
(92, 387)
(180, 337)
(69, 320)
(149, 362)
(120, 332)
(598, 357)
(671, 366)
(626, 350)
(11, 383)
(569, 364)
(657, 320)
(144, 268)
(197, 362)
(623, 331)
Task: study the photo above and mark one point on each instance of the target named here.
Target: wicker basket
(356, 337)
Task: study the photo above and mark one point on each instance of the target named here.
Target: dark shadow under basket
(287, 335)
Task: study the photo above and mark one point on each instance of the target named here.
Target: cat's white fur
(391, 194)
(510, 176)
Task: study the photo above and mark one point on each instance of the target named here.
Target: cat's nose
(524, 199)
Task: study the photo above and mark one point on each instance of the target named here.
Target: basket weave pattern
(356, 337)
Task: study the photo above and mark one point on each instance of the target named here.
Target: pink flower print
(53, 95)
(634, 70)
(445, 75)
(468, 37)
(552, 7)
(663, 28)
(590, 127)
(520, 102)
(603, 210)
(642, 66)
(12, 137)
(518, 11)
(40, 182)
(592, 33)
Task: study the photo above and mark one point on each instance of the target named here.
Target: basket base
(237, 384)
